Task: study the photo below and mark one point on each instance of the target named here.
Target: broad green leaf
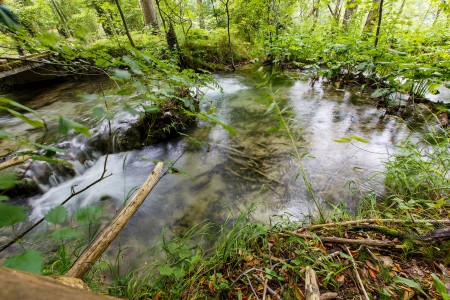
(151, 109)
(11, 214)
(56, 215)
(270, 108)
(440, 287)
(87, 215)
(350, 138)
(18, 105)
(29, 260)
(52, 160)
(380, 93)
(410, 283)
(34, 123)
(8, 180)
(121, 74)
(66, 124)
(66, 233)
(166, 270)
(3, 198)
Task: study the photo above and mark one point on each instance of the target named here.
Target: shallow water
(223, 173)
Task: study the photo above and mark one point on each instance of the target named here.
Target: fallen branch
(361, 285)
(14, 162)
(311, 287)
(102, 242)
(326, 239)
(269, 290)
(372, 221)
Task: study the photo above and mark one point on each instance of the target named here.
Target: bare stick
(251, 286)
(102, 242)
(371, 221)
(357, 275)
(311, 287)
(365, 242)
(14, 161)
(269, 290)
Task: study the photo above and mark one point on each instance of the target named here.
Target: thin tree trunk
(124, 23)
(380, 16)
(201, 15)
(215, 13)
(149, 11)
(351, 8)
(230, 47)
(371, 17)
(315, 14)
(63, 19)
(400, 11)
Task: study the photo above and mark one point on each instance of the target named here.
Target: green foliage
(11, 214)
(56, 215)
(8, 180)
(440, 287)
(29, 260)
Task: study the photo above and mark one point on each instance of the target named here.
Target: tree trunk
(315, 13)
(372, 16)
(351, 8)
(124, 23)
(201, 16)
(149, 12)
(400, 11)
(380, 16)
(230, 47)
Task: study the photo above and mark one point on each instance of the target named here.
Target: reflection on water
(220, 172)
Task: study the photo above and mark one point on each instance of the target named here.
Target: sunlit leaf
(151, 109)
(11, 214)
(166, 270)
(8, 180)
(29, 260)
(56, 215)
(121, 74)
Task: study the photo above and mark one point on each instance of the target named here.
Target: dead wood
(14, 162)
(311, 287)
(105, 238)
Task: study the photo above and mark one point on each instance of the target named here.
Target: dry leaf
(372, 273)
(211, 286)
(409, 294)
(386, 261)
(248, 258)
(298, 293)
(340, 278)
(372, 266)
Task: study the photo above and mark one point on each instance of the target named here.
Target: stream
(218, 173)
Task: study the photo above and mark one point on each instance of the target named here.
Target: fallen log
(14, 162)
(105, 238)
(19, 285)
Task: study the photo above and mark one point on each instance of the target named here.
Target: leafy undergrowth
(254, 261)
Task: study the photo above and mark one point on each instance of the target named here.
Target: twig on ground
(371, 221)
(326, 239)
(251, 286)
(363, 289)
(269, 290)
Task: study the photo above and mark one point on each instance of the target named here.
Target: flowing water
(217, 172)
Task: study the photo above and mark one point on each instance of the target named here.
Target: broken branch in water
(107, 236)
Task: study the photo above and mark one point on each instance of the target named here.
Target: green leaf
(8, 180)
(3, 198)
(440, 287)
(166, 270)
(87, 215)
(66, 124)
(270, 108)
(381, 93)
(29, 260)
(151, 109)
(56, 215)
(34, 123)
(18, 105)
(121, 74)
(66, 233)
(11, 214)
(410, 283)
(350, 138)
(4, 134)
